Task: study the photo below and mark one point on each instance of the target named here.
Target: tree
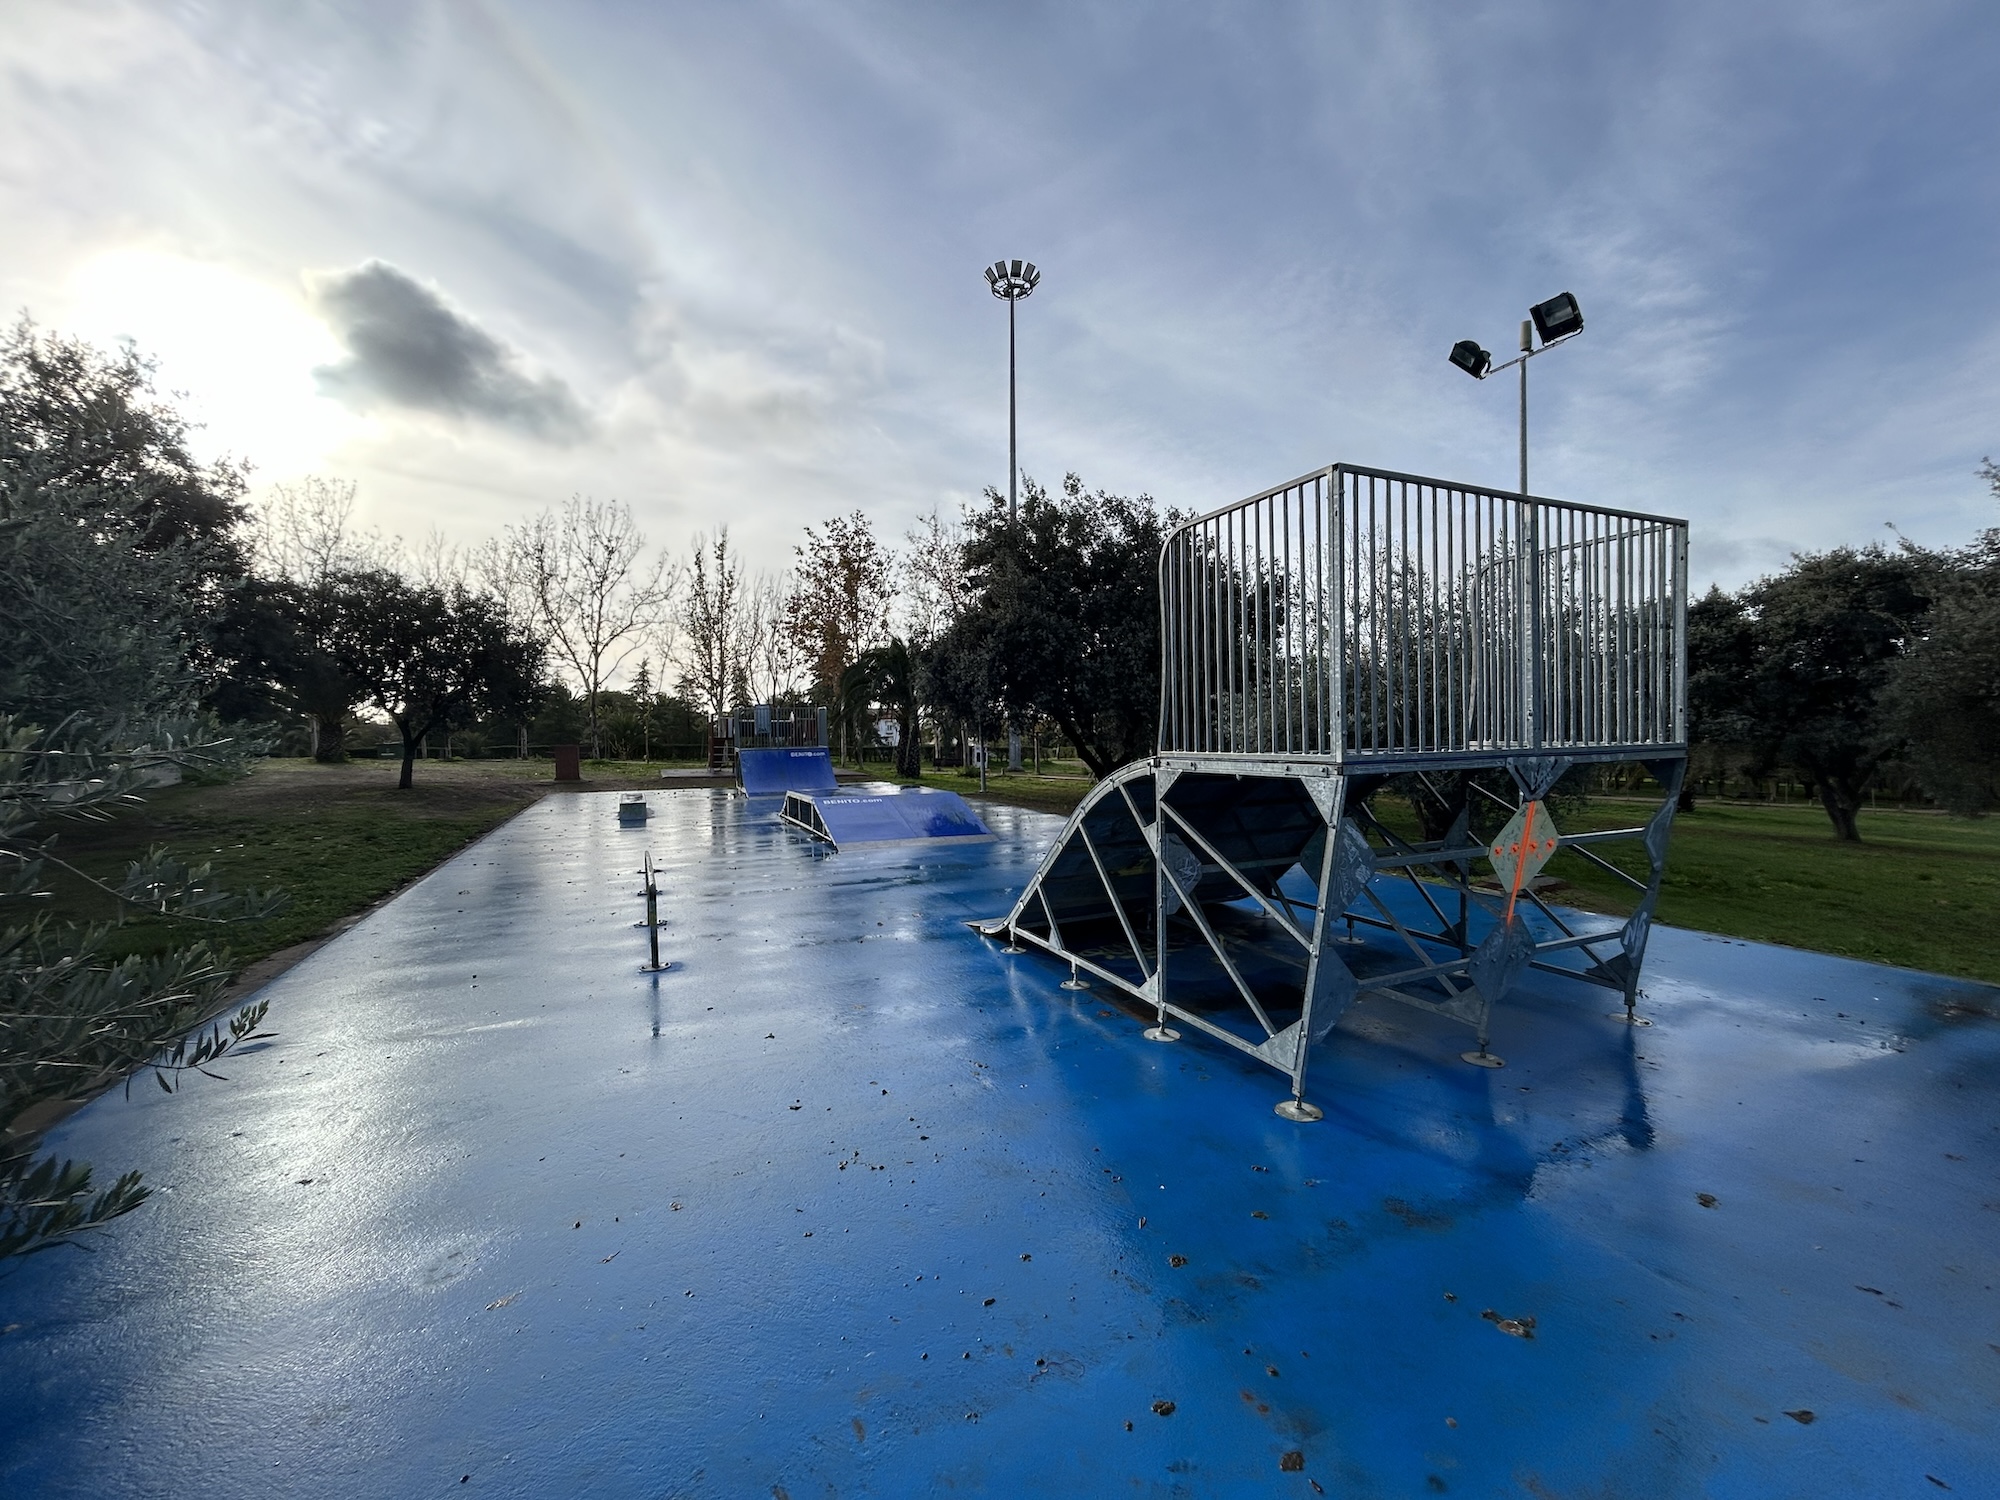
(1063, 620)
(73, 1018)
(503, 572)
(714, 651)
(126, 516)
(1722, 654)
(839, 604)
(431, 659)
(773, 657)
(891, 675)
(594, 594)
(305, 546)
(1826, 637)
(934, 588)
(91, 620)
(100, 432)
(1945, 699)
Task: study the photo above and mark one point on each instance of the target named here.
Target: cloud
(408, 347)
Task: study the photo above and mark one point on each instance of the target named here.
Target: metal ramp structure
(1320, 641)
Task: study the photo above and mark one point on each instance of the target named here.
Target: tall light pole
(1556, 321)
(1010, 281)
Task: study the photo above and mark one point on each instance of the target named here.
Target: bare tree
(593, 592)
(839, 602)
(933, 589)
(503, 571)
(306, 533)
(436, 563)
(774, 659)
(712, 626)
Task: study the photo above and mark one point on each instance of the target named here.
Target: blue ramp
(893, 816)
(771, 773)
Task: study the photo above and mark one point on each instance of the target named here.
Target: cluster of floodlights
(1557, 319)
(1012, 279)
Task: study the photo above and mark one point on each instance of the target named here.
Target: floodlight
(1470, 358)
(1012, 280)
(1557, 318)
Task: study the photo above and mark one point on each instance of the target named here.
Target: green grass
(335, 838)
(1921, 891)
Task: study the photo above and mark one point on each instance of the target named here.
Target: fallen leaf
(1292, 1463)
(1520, 1328)
(1802, 1416)
(1258, 1213)
(503, 1301)
(1706, 1200)
(1163, 1408)
(1176, 1261)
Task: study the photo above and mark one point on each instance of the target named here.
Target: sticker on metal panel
(1523, 847)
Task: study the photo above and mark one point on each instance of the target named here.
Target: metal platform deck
(851, 1203)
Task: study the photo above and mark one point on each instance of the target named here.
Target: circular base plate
(1076, 984)
(1161, 1034)
(649, 969)
(1482, 1059)
(1299, 1111)
(1013, 948)
(1629, 1019)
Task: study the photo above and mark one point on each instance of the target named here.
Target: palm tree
(892, 678)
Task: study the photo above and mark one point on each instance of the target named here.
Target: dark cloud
(408, 347)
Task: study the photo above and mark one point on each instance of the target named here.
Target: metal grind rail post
(652, 922)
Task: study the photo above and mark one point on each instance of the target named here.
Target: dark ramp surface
(771, 773)
(496, 1214)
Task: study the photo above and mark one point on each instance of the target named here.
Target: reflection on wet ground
(848, 1202)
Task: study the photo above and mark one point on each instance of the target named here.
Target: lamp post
(1555, 321)
(1010, 281)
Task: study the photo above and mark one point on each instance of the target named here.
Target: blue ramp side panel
(771, 773)
(917, 814)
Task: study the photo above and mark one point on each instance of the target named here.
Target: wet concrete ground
(850, 1203)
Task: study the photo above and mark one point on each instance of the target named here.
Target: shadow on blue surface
(851, 1203)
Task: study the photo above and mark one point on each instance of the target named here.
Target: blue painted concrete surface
(850, 1203)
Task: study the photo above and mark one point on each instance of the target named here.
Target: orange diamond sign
(1523, 847)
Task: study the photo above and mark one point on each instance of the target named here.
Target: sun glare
(241, 350)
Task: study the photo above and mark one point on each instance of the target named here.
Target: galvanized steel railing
(1357, 613)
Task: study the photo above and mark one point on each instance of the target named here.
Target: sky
(721, 261)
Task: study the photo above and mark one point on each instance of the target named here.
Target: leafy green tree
(123, 553)
(1722, 654)
(1945, 699)
(1825, 639)
(73, 1018)
(839, 603)
(1063, 620)
(432, 659)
